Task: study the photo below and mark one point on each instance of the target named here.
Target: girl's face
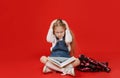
(59, 32)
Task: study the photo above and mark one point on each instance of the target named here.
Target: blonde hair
(59, 22)
(63, 23)
(72, 44)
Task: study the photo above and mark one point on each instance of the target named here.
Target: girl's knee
(76, 62)
(43, 59)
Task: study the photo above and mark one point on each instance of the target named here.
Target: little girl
(59, 34)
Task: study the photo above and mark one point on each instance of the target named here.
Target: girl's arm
(68, 36)
(50, 36)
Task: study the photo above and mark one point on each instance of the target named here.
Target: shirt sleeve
(68, 36)
(50, 36)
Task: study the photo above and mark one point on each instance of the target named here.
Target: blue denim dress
(60, 50)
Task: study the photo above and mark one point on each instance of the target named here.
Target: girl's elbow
(48, 40)
(68, 40)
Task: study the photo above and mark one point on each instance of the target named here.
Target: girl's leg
(44, 60)
(50, 66)
(76, 62)
(69, 69)
(53, 67)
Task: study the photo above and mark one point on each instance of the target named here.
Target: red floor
(30, 67)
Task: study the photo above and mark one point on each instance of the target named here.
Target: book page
(68, 61)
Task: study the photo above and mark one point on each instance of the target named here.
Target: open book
(59, 64)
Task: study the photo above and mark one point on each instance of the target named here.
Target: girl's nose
(59, 34)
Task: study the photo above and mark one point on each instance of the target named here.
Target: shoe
(107, 69)
(69, 71)
(106, 63)
(46, 69)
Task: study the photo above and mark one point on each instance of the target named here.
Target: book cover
(66, 62)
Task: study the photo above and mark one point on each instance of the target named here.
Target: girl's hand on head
(51, 25)
(67, 27)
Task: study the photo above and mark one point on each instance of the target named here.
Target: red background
(24, 25)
